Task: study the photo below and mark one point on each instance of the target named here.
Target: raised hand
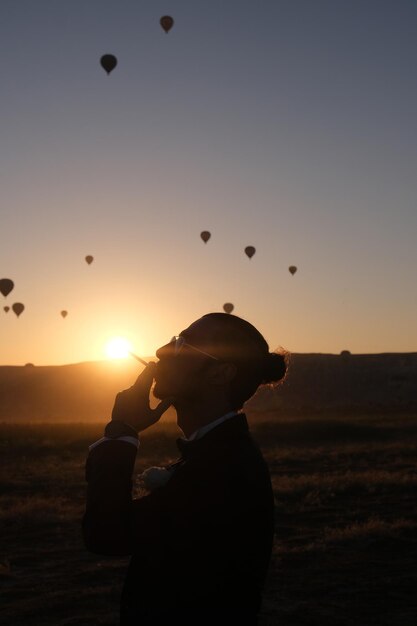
(132, 405)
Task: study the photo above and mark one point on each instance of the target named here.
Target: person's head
(219, 355)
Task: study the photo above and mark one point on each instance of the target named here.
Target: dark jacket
(201, 544)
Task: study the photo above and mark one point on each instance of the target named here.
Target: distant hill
(84, 391)
(386, 382)
(318, 382)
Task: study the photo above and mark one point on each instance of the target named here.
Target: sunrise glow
(191, 180)
(118, 348)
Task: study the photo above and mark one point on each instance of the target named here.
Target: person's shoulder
(229, 449)
(240, 455)
(248, 450)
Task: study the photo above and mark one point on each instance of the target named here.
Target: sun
(118, 348)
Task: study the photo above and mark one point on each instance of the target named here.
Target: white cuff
(132, 440)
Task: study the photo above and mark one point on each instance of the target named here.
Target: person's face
(184, 375)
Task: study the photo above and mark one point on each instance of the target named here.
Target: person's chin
(160, 392)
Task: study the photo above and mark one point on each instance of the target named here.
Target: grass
(346, 522)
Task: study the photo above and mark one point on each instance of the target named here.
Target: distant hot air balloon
(166, 22)
(108, 62)
(292, 269)
(64, 314)
(6, 309)
(6, 285)
(228, 307)
(89, 259)
(18, 308)
(250, 251)
(205, 235)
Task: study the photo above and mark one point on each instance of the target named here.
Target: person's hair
(240, 343)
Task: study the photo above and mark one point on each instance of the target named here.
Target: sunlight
(118, 348)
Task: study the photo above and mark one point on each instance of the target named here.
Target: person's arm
(113, 523)
(109, 498)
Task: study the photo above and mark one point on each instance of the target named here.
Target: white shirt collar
(205, 429)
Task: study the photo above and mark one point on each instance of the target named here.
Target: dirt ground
(346, 518)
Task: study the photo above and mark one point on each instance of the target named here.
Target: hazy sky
(287, 125)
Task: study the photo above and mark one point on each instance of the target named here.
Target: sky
(289, 125)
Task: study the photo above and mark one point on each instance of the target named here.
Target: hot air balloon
(108, 62)
(6, 285)
(64, 314)
(89, 259)
(166, 22)
(228, 307)
(18, 308)
(292, 269)
(250, 251)
(6, 309)
(205, 235)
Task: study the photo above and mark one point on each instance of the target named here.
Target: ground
(346, 521)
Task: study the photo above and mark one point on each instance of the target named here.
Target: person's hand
(132, 405)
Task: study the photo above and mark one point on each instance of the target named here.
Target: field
(346, 521)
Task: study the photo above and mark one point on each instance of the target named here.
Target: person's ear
(222, 373)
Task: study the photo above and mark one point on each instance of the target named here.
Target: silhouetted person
(201, 542)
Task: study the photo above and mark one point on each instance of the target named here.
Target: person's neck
(194, 415)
